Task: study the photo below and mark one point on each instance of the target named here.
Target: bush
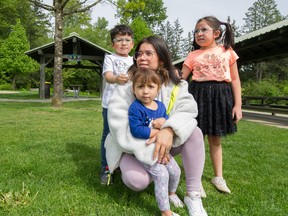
(6, 86)
(263, 88)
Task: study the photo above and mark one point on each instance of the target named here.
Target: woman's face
(147, 57)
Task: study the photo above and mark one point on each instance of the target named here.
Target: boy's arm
(112, 79)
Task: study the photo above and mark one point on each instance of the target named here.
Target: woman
(178, 135)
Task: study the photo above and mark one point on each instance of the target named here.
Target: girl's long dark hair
(227, 38)
(164, 55)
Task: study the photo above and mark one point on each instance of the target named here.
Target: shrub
(6, 86)
(263, 88)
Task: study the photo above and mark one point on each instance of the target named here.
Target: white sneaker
(175, 214)
(175, 200)
(194, 204)
(220, 184)
(202, 192)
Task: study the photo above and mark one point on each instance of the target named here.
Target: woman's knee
(134, 175)
(136, 181)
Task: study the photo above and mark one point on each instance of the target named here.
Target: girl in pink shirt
(215, 86)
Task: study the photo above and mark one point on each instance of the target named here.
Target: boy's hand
(121, 79)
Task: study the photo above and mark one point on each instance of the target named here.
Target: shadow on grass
(87, 160)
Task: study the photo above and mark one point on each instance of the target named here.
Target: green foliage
(89, 79)
(76, 22)
(8, 16)
(36, 23)
(6, 86)
(261, 14)
(13, 62)
(140, 29)
(153, 12)
(262, 88)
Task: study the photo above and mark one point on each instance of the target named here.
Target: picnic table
(76, 89)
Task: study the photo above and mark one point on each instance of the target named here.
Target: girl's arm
(236, 88)
(185, 72)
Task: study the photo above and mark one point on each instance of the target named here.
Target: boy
(115, 69)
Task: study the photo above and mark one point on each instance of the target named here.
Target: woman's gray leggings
(192, 152)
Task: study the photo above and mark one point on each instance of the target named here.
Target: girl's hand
(236, 114)
(157, 123)
(163, 143)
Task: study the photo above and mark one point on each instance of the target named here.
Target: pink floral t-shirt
(211, 64)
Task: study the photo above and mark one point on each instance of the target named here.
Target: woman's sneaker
(220, 184)
(174, 199)
(194, 204)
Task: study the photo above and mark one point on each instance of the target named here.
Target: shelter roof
(74, 48)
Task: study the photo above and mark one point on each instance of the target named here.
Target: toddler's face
(146, 93)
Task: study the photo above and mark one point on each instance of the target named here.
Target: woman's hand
(163, 143)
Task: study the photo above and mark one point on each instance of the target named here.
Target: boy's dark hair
(120, 30)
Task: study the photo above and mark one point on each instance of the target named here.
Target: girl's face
(205, 36)
(146, 92)
(147, 57)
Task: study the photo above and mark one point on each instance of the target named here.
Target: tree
(140, 29)
(62, 8)
(35, 22)
(173, 37)
(262, 14)
(152, 12)
(13, 62)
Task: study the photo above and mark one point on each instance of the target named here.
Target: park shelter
(266, 44)
(75, 49)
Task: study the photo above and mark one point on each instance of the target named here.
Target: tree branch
(42, 5)
(88, 7)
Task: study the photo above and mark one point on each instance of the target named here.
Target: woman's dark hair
(227, 38)
(164, 55)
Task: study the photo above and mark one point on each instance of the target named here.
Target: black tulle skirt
(215, 103)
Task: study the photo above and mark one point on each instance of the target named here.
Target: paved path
(66, 99)
(278, 120)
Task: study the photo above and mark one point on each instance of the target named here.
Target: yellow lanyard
(172, 99)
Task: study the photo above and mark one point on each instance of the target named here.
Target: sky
(189, 11)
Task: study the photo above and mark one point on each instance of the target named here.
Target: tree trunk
(58, 83)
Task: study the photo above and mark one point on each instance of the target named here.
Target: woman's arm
(180, 124)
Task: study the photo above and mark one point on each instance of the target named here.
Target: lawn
(50, 161)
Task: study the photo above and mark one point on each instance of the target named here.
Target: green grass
(50, 164)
